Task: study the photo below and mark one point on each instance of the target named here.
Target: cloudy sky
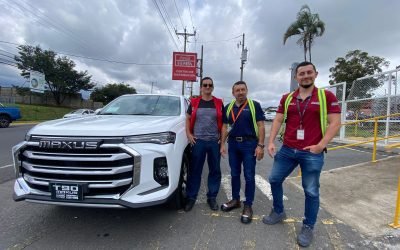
(137, 32)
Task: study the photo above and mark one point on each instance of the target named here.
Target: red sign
(184, 66)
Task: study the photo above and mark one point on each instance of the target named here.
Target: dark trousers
(243, 153)
(200, 150)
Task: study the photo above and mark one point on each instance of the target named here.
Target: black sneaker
(247, 214)
(213, 204)
(189, 205)
(305, 237)
(274, 217)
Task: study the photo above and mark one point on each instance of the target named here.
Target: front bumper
(144, 192)
(22, 192)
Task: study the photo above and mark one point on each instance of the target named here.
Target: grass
(41, 113)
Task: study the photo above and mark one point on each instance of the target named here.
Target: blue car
(8, 115)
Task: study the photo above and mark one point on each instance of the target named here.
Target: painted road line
(265, 187)
(226, 184)
(334, 236)
(358, 150)
(6, 166)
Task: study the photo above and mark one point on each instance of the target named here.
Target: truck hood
(108, 125)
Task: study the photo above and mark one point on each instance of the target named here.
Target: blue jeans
(285, 161)
(199, 151)
(243, 152)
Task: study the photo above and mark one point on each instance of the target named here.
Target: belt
(243, 138)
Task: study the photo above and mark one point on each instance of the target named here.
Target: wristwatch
(260, 145)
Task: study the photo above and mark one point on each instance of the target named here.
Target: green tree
(111, 91)
(354, 65)
(307, 26)
(61, 77)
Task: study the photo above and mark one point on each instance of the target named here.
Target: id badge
(300, 134)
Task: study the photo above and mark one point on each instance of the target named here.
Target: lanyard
(301, 114)
(240, 111)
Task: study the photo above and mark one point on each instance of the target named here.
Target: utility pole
(186, 35)
(151, 91)
(201, 69)
(243, 58)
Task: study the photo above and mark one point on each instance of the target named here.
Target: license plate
(66, 191)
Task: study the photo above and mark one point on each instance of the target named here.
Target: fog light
(160, 173)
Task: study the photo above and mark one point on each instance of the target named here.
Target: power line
(219, 41)
(165, 23)
(10, 64)
(101, 59)
(179, 14)
(7, 56)
(8, 52)
(190, 12)
(55, 27)
(166, 14)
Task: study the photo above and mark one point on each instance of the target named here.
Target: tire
(4, 121)
(178, 199)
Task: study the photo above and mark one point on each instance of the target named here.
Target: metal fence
(7, 99)
(368, 97)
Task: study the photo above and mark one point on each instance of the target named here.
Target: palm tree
(307, 26)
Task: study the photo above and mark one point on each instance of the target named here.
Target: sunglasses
(207, 85)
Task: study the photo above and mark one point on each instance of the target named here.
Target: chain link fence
(369, 97)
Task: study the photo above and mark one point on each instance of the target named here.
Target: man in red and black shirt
(203, 129)
(303, 145)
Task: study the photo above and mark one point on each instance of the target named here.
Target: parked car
(97, 111)
(79, 113)
(134, 153)
(8, 115)
(269, 115)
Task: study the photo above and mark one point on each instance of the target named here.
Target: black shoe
(305, 237)
(232, 204)
(213, 204)
(247, 214)
(189, 205)
(274, 217)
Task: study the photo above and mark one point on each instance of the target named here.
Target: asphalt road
(34, 226)
(8, 138)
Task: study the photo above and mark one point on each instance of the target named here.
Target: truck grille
(106, 171)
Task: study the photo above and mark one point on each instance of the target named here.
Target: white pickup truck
(134, 153)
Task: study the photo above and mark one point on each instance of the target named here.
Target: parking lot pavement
(346, 211)
(363, 196)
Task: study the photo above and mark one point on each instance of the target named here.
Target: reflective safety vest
(252, 111)
(323, 110)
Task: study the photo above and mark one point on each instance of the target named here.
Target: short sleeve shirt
(206, 125)
(311, 118)
(244, 123)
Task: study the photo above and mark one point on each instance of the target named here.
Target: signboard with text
(37, 81)
(184, 66)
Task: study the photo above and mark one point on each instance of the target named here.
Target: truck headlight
(157, 138)
(27, 137)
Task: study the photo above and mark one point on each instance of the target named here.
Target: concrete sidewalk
(362, 196)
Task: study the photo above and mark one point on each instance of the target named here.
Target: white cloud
(133, 31)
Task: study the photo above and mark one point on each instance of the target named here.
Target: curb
(381, 148)
(26, 123)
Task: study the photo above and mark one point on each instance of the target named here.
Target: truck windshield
(152, 105)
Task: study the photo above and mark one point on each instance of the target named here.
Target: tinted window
(144, 105)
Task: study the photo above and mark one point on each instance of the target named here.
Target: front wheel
(178, 200)
(4, 121)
